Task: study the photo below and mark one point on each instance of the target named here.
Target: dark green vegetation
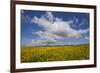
(54, 53)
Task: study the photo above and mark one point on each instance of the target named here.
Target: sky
(39, 28)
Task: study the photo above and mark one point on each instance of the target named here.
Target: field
(54, 53)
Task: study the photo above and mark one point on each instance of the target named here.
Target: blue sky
(54, 28)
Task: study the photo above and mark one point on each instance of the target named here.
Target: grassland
(54, 53)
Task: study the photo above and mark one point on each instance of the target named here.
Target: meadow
(54, 53)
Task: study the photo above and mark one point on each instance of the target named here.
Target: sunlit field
(54, 53)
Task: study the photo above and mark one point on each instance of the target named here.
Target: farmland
(54, 53)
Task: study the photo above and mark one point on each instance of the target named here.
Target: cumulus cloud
(55, 29)
(49, 16)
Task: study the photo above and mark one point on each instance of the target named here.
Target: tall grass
(54, 53)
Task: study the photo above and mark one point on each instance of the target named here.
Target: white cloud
(83, 31)
(25, 18)
(82, 23)
(49, 16)
(55, 29)
(76, 19)
(87, 38)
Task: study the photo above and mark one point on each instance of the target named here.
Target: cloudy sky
(54, 28)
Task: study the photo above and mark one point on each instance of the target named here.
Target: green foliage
(54, 53)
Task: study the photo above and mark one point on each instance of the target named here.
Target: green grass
(54, 53)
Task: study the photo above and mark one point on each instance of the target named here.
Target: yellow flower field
(54, 53)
